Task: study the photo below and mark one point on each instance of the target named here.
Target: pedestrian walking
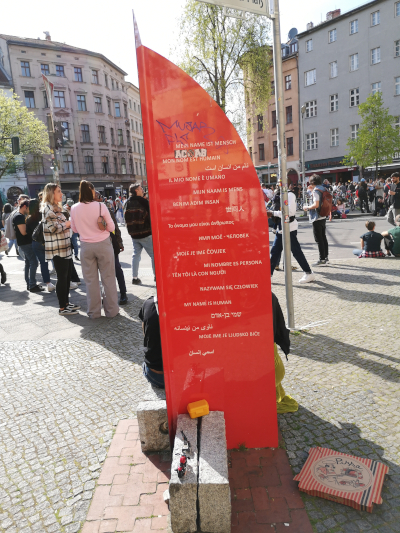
(56, 231)
(137, 219)
(394, 196)
(317, 214)
(118, 211)
(93, 223)
(7, 211)
(363, 195)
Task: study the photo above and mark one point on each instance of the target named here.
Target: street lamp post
(303, 163)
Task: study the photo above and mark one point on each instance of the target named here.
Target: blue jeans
(40, 255)
(31, 264)
(297, 252)
(138, 245)
(11, 243)
(357, 252)
(74, 242)
(155, 379)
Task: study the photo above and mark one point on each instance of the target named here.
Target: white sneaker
(53, 271)
(73, 285)
(307, 278)
(50, 287)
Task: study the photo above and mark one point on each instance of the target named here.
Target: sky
(107, 28)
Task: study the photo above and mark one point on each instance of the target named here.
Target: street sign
(259, 7)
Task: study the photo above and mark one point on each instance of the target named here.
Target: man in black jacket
(394, 194)
(137, 220)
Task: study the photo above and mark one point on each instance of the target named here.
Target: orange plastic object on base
(197, 409)
(211, 250)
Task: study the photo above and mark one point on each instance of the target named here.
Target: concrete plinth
(214, 492)
(183, 492)
(153, 421)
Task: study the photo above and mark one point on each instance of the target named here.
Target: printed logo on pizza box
(344, 474)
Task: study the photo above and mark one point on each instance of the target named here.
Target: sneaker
(320, 262)
(73, 307)
(77, 258)
(50, 287)
(136, 281)
(17, 252)
(52, 271)
(67, 311)
(36, 288)
(123, 300)
(277, 268)
(73, 285)
(327, 262)
(6, 252)
(307, 278)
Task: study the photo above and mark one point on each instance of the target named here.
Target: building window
(85, 133)
(375, 56)
(112, 136)
(261, 152)
(109, 106)
(106, 80)
(354, 131)
(134, 145)
(375, 18)
(397, 9)
(29, 99)
(274, 119)
(311, 141)
(332, 36)
(397, 49)
(68, 164)
(289, 116)
(60, 71)
(46, 102)
(116, 165)
(260, 122)
(333, 69)
(89, 164)
(78, 74)
(117, 108)
(81, 99)
(104, 164)
(272, 87)
(142, 148)
(128, 138)
(375, 87)
(45, 69)
(334, 102)
(310, 77)
(353, 62)
(353, 26)
(293, 48)
(116, 85)
(335, 137)
(102, 134)
(275, 149)
(311, 109)
(309, 45)
(137, 170)
(59, 99)
(125, 111)
(397, 86)
(95, 77)
(98, 108)
(65, 127)
(354, 97)
(137, 128)
(25, 69)
(289, 145)
(120, 138)
(397, 122)
(131, 165)
(38, 165)
(112, 84)
(288, 82)
(123, 165)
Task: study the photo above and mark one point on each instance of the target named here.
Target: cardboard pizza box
(343, 478)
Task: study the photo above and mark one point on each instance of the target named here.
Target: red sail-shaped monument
(211, 247)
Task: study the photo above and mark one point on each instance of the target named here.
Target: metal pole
(303, 163)
(278, 75)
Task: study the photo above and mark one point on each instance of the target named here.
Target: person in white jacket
(297, 252)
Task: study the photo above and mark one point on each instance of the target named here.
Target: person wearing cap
(153, 369)
(74, 237)
(137, 219)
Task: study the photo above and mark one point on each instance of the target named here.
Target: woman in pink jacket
(97, 253)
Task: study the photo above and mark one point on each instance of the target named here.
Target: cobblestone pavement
(65, 385)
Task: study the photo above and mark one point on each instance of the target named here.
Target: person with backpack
(318, 211)
(137, 220)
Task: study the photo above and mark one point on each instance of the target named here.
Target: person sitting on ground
(370, 242)
(392, 244)
(153, 369)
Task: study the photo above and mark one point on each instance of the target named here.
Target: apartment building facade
(262, 142)
(342, 61)
(98, 109)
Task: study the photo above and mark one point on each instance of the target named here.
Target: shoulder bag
(38, 234)
(101, 222)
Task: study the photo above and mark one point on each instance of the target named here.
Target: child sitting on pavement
(370, 242)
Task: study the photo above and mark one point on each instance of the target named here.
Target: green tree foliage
(377, 139)
(228, 57)
(17, 121)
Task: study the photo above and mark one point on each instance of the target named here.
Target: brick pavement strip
(61, 400)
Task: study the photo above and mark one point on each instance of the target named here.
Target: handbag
(3, 242)
(38, 234)
(101, 222)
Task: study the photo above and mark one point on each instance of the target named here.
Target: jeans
(319, 230)
(74, 243)
(357, 252)
(297, 252)
(39, 250)
(63, 268)
(120, 276)
(11, 243)
(138, 245)
(31, 264)
(155, 379)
